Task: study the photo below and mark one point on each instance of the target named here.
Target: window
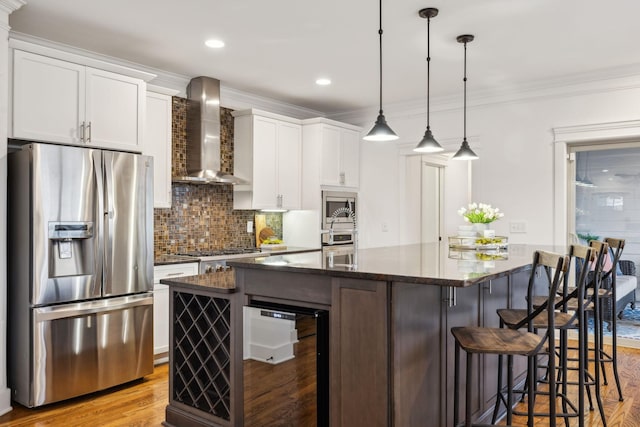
(606, 182)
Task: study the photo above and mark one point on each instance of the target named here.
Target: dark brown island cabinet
(390, 315)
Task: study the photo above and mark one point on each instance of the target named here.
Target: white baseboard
(5, 401)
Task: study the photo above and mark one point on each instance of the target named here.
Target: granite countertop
(221, 281)
(167, 259)
(173, 259)
(289, 250)
(432, 264)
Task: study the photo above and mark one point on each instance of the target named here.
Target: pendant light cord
(465, 93)
(428, 65)
(380, 56)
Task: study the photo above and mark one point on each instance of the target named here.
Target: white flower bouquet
(480, 213)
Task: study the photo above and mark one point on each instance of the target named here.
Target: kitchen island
(390, 349)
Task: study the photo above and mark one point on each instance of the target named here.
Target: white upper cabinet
(54, 100)
(157, 143)
(331, 158)
(267, 154)
(48, 98)
(115, 107)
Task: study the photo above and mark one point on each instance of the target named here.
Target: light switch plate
(518, 227)
(249, 226)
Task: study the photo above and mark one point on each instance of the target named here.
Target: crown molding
(597, 132)
(230, 97)
(81, 57)
(609, 80)
(9, 6)
(162, 90)
(238, 100)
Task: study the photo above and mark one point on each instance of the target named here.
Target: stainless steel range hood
(203, 134)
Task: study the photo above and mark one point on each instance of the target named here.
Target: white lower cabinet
(161, 305)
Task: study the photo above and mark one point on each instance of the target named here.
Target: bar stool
(609, 297)
(572, 304)
(510, 342)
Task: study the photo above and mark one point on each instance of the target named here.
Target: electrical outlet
(518, 227)
(249, 226)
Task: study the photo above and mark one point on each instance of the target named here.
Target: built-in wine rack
(202, 353)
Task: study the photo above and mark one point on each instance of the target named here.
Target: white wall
(515, 172)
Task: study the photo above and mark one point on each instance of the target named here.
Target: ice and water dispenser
(71, 249)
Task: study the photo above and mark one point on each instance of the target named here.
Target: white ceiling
(278, 48)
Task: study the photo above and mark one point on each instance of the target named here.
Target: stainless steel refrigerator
(80, 271)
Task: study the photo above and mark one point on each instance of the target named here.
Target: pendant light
(428, 144)
(465, 152)
(381, 130)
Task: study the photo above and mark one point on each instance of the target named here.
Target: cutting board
(260, 222)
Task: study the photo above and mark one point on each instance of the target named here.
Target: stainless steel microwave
(339, 210)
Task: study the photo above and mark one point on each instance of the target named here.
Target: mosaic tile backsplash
(202, 216)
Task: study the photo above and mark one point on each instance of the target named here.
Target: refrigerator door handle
(99, 245)
(108, 220)
(108, 172)
(43, 314)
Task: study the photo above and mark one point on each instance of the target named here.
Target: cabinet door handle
(488, 287)
(451, 296)
(175, 274)
(89, 132)
(342, 178)
(82, 132)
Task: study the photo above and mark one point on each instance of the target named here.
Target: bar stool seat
(513, 317)
(479, 340)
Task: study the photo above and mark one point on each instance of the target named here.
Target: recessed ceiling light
(214, 44)
(605, 170)
(323, 82)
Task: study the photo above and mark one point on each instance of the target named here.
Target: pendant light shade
(428, 144)
(381, 130)
(465, 152)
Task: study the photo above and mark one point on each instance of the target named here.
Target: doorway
(431, 202)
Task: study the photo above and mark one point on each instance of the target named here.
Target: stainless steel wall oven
(336, 206)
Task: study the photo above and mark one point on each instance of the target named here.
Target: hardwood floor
(139, 403)
(622, 414)
(295, 384)
(142, 403)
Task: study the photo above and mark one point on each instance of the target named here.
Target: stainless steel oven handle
(85, 308)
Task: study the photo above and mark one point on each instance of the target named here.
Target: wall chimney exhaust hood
(203, 135)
